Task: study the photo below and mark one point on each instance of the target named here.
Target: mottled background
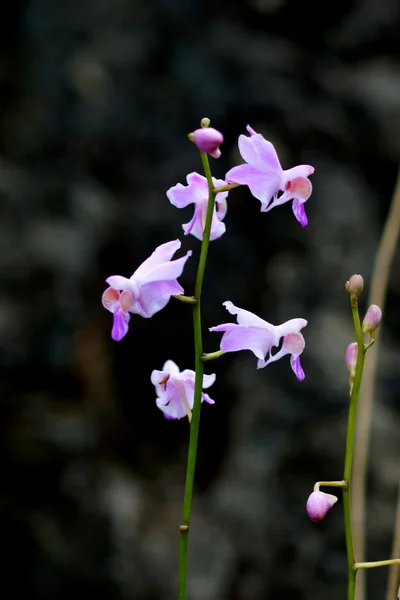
(97, 98)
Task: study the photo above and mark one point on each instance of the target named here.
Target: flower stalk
(199, 369)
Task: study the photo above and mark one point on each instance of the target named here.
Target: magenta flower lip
(265, 177)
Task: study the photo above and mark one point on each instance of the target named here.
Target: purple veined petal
(206, 398)
(110, 299)
(297, 368)
(155, 296)
(162, 254)
(263, 186)
(246, 318)
(258, 341)
(181, 195)
(120, 325)
(291, 326)
(164, 271)
(299, 212)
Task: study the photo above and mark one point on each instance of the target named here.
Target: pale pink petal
(180, 195)
(175, 409)
(162, 254)
(291, 326)
(266, 156)
(155, 296)
(259, 341)
(171, 367)
(110, 299)
(163, 271)
(118, 282)
(245, 317)
(217, 228)
(126, 301)
(157, 376)
(221, 207)
(208, 380)
(206, 398)
(299, 171)
(120, 325)
(263, 186)
(195, 226)
(198, 183)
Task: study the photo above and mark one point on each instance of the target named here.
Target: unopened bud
(372, 319)
(351, 359)
(207, 140)
(355, 285)
(318, 504)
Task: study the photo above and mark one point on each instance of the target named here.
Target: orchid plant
(179, 393)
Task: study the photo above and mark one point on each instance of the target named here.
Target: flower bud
(351, 359)
(372, 319)
(355, 285)
(208, 140)
(318, 504)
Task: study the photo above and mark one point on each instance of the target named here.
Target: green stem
(198, 386)
(377, 563)
(212, 355)
(226, 188)
(348, 463)
(186, 299)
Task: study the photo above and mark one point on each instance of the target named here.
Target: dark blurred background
(97, 98)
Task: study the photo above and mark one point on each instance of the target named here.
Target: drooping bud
(355, 285)
(207, 140)
(351, 359)
(372, 319)
(318, 504)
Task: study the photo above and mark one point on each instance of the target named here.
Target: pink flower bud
(351, 359)
(372, 319)
(208, 140)
(318, 504)
(355, 285)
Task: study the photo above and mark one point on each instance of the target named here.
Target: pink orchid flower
(175, 390)
(266, 178)
(147, 291)
(252, 333)
(196, 192)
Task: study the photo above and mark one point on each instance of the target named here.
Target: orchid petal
(245, 317)
(120, 325)
(163, 271)
(180, 196)
(206, 398)
(118, 282)
(297, 368)
(110, 299)
(171, 367)
(258, 151)
(238, 337)
(155, 296)
(162, 254)
(291, 326)
(299, 212)
(263, 186)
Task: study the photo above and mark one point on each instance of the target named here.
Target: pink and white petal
(126, 301)
(297, 368)
(299, 212)
(299, 171)
(257, 341)
(165, 271)
(195, 226)
(198, 183)
(162, 254)
(157, 376)
(206, 398)
(118, 282)
(120, 325)
(171, 367)
(110, 299)
(223, 327)
(221, 208)
(301, 188)
(291, 326)
(217, 228)
(263, 186)
(208, 380)
(175, 409)
(293, 343)
(245, 317)
(181, 195)
(267, 158)
(155, 296)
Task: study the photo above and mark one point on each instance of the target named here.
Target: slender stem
(226, 188)
(198, 387)
(379, 283)
(377, 563)
(186, 299)
(319, 484)
(348, 462)
(212, 355)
